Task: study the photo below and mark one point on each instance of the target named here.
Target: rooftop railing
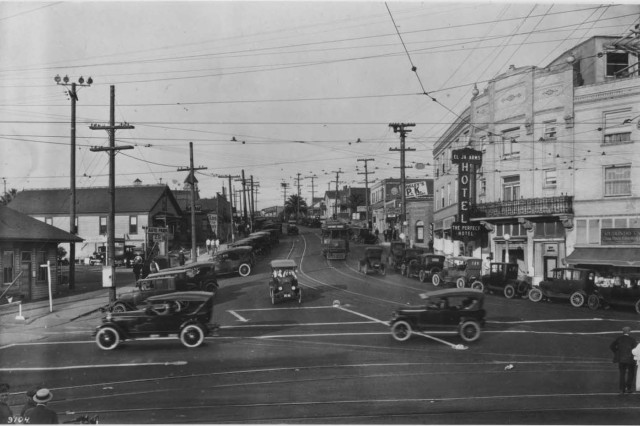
(524, 207)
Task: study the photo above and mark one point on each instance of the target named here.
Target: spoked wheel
(299, 295)
(244, 269)
(477, 285)
(637, 306)
(509, 291)
(107, 338)
(119, 307)
(422, 275)
(401, 331)
(461, 283)
(436, 280)
(577, 299)
(273, 296)
(403, 269)
(535, 295)
(211, 287)
(192, 336)
(470, 331)
(593, 302)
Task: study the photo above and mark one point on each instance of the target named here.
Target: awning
(629, 257)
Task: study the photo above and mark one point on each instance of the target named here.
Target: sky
(280, 90)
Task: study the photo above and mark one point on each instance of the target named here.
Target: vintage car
(620, 290)
(148, 287)
(185, 315)
(371, 261)
(202, 274)
(461, 271)
(283, 284)
(575, 284)
(396, 253)
(449, 311)
(234, 260)
(426, 266)
(410, 256)
(503, 277)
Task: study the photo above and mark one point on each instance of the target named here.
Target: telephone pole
(366, 184)
(230, 203)
(73, 95)
(298, 200)
(402, 129)
(192, 181)
(335, 207)
(313, 191)
(244, 197)
(111, 149)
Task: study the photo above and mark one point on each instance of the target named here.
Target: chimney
(137, 182)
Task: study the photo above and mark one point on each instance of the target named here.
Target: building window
(617, 127)
(594, 231)
(510, 142)
(48, 220)
(511, 188)
(550, 130)
(103, 225)
(420, 231)
(617, 181)
(617, 64)
(550, 178)
(41, 259)
(483, 186)
(133, 224)
(442, 198)
(449, 201)
(7, 267)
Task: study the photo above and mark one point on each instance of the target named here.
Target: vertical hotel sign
(465, 158)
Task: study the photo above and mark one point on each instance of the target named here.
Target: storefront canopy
(629, 257)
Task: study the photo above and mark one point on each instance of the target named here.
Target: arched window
(420, 231)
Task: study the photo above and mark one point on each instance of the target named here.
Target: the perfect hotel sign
(465, 158)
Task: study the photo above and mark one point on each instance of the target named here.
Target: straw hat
(42, 396)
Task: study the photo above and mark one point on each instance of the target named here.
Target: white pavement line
(79, 367)
(284, 309)
(309, 324)
(240, 317)
(281, 336)
(386, 323)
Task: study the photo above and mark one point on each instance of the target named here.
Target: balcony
(524, 207)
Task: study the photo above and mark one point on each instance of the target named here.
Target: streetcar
(335, 240)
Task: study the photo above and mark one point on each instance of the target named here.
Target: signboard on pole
(213, 222)
(416, 189)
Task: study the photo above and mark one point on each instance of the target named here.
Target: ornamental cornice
(608, 94)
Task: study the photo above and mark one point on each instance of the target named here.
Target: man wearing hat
(622, 355)
(29, 403)
(41, 414)
(6, 415)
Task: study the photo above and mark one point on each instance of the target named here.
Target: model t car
(185, 315)
(618, 290)
(234, 260)
(449, 311)
(364, 236)
(372, 261)
(575, 284)
(426, 266)
(202, 275)
(396, 253)
(503, 277)
(461, 271)
(283, 284)
(409, 260)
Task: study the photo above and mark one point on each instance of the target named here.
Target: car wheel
(211, 287)
(577, 299)
(107, 338)
(593, 302)
(422, 275)
(299, 295)
(401, 331)
(383, 270)
(509, 291)
(436, 280)
(273, 296)
(477, 285)
(365, 269)
(637, 305)
(535, 295)
(244, 269)
(119, 307)
(470, 331)
(461, 282)
(403, 269)
(192, 336)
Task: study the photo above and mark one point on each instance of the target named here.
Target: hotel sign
(619, 236)
(464, 158)
(466, 231)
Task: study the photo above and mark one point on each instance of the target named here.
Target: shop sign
(460, 231)
(416, 190)
(464, 158)
(613, 236)
(213, 222)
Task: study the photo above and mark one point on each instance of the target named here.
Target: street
(332, 359)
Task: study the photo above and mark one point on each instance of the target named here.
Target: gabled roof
(129, 199)
(17, 226)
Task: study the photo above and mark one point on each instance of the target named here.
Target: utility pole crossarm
(366, 183)
(402, 129)
(191, 169)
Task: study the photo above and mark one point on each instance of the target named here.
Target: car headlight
(109, 316)
(293, 287)
(280, 288)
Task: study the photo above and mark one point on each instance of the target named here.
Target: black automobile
(283, 284)
(396, 253)
(426, 266)
(503, 277)
(372, 261)
(202, 275)
(446, 312)
(184, 315)
(575, 284)
(234, 260)
(619, 290)
(409, 260)
(364, 236)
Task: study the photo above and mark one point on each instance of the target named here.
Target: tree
(291, 206)
(8, 196)
(354, 201)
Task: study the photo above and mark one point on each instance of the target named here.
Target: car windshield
(284, 272)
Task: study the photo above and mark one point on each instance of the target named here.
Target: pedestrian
(41, 414)
(29, 403)
(636, 356)
(6, 415)
(137, 267)
(208, 243)
(486, 265)
(153, 266)
(377, 233)
(622, 355)
(216, 245)
(181, 258)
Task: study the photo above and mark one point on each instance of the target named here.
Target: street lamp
(507, 237)
(73, 95)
